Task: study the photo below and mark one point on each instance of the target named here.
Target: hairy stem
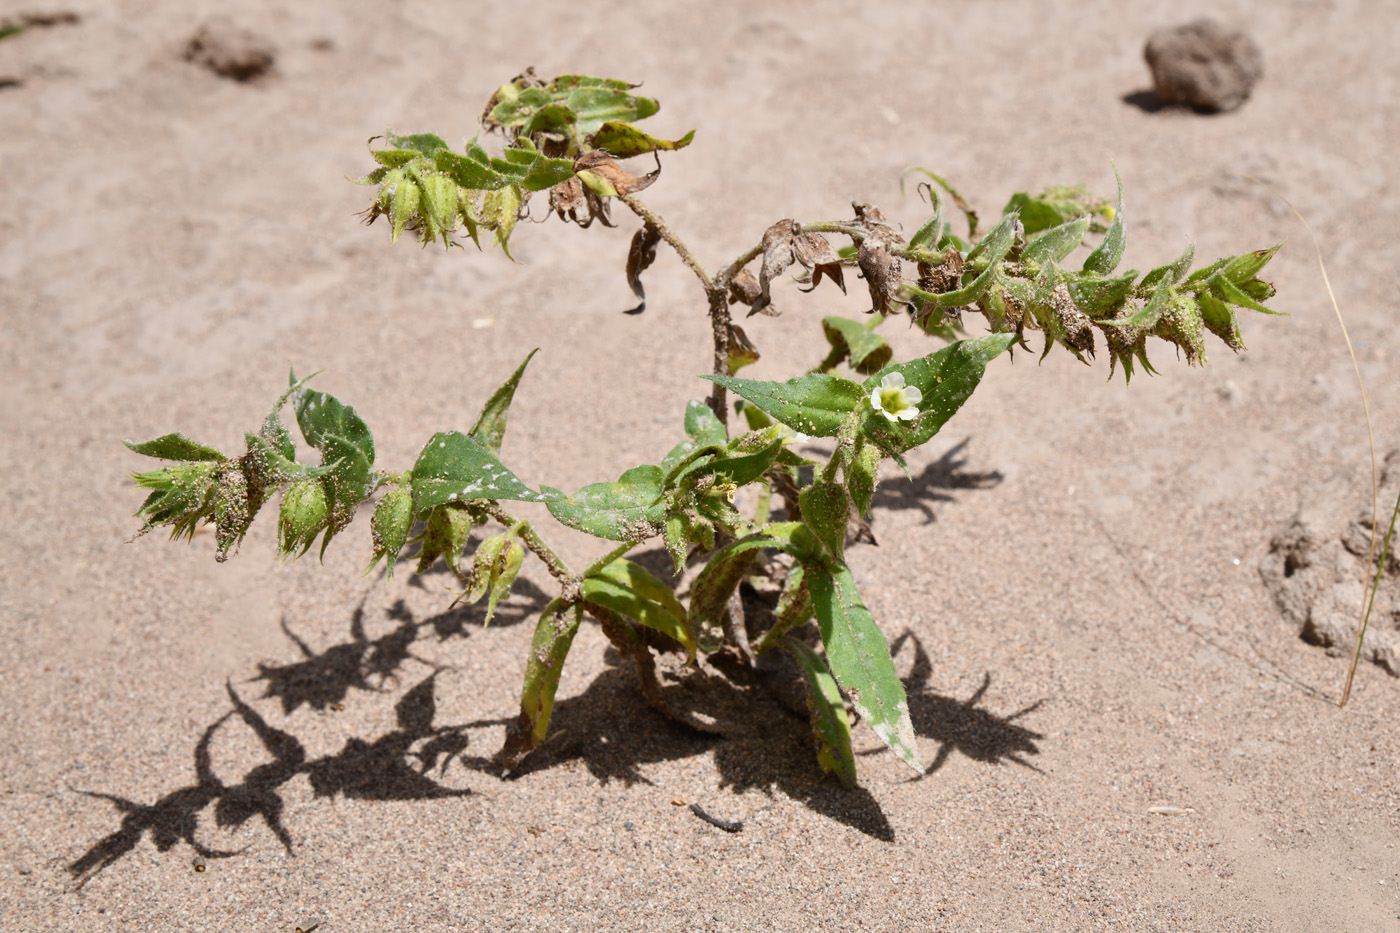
(531, 539)
(654, 219)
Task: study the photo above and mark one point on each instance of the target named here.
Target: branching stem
(531, 539)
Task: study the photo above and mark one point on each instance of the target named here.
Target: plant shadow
(396, 765)
(934, 484)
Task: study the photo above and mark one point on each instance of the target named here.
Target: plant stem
(608, 558)
(1366, 619)
(654, 219)
(528, 536)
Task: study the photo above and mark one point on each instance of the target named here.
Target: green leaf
(814, 404)
(598, 105)
(454, 466)
(862, 474)
(1228, 291)
(1035, 214)
(830, 725)
(445, 534)
(1170, 273)
(421, 143)
(825, 511)
(1240, 269)
(997, 243)
(927, 236)
(741, 467)
(725, 568)
(347, 452)
(867, 351)
(175, 446)
(628, 589)
(500, 210)
(793, 609)
(624, 140)
(554, 635)
(490, 427)
(859, 656)
(946, 379)
(1057, 242)
(703, 426)
(630, 509)
(501, 575)
(390, 158)
(470, 173)
(1098, 298)
(1105, 259)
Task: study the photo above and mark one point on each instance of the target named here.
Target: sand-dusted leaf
(859, 656)
(992, 249)
(630, 509)
(746, 459)
(175, 446)
(624, 140)
(445, 533)
(702, 428)
(946, 379)
(456, 467)
(1228, 291)
(554, 635)
(862, 475)
(866, 350)
(425, 144)
(490, 427)
(1240, 269)
(393, 518)
(598, 105)
(727, 567)
(628, 589)
(182, 497)
(1104, 260)
(500, 209)
(1221, 320)
(814, 404)
(831, 727)
(470, 172)
(1099, 298)
(640, 255)
(501, 575)
(1171, 273)
(958, 199)
(793, 609)
(1054, 244)
(347, 451)
(825, 511)
(928, 235)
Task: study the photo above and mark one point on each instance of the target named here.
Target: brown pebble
(1203, 65)
(677, 802)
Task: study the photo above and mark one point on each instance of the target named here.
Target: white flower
(896, 401)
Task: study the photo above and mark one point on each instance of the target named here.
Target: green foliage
(710, 497)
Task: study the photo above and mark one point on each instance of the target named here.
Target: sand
(1075, 563)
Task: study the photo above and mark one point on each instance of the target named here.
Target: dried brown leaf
(817, 255)
(743, 288)
(882, 271)
(742, 351)
(640, 256)
(777, 256)
(604, 166)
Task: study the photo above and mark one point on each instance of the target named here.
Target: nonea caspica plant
(568, 140)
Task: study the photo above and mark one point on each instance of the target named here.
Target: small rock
(1203, 65)
(231, 52)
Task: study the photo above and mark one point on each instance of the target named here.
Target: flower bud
(393, 517)
(301, 518)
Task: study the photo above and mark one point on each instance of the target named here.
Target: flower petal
(908, 414)
(912, 395)
(892, 381)
(875, 400)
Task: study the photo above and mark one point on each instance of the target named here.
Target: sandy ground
(1075, 563)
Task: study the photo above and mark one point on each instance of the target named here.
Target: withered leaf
(566, 200)
(778, 254)
(881, 269)
(816, 254)
(601, 173)
(640, 256)
(742, 352)
(743, 288)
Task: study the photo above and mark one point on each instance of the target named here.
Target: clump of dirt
(1319, 567)
(231, 52)
(1203, 65)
